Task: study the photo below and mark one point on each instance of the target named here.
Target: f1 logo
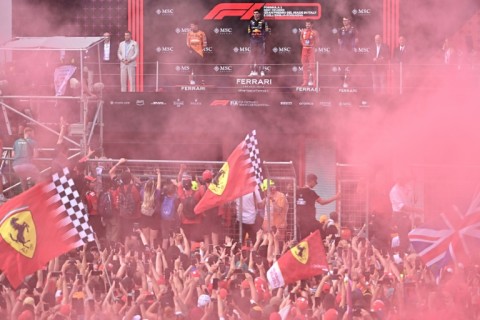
(295, 10)
(219, 103)
(243, 10)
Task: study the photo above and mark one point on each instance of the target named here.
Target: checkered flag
(251, 144)
(240, 175)
(66, 202)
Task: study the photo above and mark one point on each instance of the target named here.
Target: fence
(282, 173)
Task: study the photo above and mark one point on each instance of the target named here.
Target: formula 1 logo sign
(271, 11)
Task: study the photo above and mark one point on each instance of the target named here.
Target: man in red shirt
(190, 225)
(91, 199)
(308, 39)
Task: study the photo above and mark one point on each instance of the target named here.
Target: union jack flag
(454, 242)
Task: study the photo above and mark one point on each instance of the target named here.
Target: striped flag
(41, 224)
(238, 176)
(456, 241)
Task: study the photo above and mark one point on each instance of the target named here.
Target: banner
(60, 78)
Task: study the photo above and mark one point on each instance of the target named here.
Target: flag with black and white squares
(251, 145)
(65, 200)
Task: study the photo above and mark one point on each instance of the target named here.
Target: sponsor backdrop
(227, 53)
(160, 27)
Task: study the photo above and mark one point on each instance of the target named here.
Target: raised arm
(111, 173)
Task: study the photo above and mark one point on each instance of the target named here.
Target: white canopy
(51, 43)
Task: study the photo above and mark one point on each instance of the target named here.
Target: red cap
(275, 316)
(301, 303)
(326, 287)
(222, 293)
(196, 274)
(26, 315)
(331, 314)
(207, 175)
(65, 309)
(378, 305)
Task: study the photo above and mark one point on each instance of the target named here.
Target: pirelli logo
(271, 11)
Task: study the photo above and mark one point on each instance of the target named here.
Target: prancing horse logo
(17, 229)
(20, 231)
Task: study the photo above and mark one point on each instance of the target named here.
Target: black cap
(312, 177)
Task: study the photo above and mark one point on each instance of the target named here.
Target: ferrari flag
(238, 176)
(307, 259)
(41, 224)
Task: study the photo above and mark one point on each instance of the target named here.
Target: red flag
(39, 225)
(237, 177)
(307, 259)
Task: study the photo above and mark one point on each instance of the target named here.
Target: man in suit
(127, 54)
(402, 57)
(109, 68)
(401, 54)
(381, 57)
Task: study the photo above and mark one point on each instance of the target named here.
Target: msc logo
(362, 11)
(182, 68)
(223, 68)
(339, 69)
(325, 50)
(282, 50)
(241, 49)
(223, 31)
(208, 49)
(165, 12)
(164, 49)
(361, 50)
(140, 103)
(182, 30)
(297, 68)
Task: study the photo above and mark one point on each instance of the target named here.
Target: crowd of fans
(157, 263)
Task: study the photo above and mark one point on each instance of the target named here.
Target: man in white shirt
(127, 54)
(247, 208)
(107, 46)
(402, 197)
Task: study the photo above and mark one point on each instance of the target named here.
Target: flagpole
(240, 218)
(267, 212)
(103, 259)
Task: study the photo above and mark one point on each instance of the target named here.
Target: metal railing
(282, 173)
(159, 76)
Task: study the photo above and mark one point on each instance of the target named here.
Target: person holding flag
(306, 213)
